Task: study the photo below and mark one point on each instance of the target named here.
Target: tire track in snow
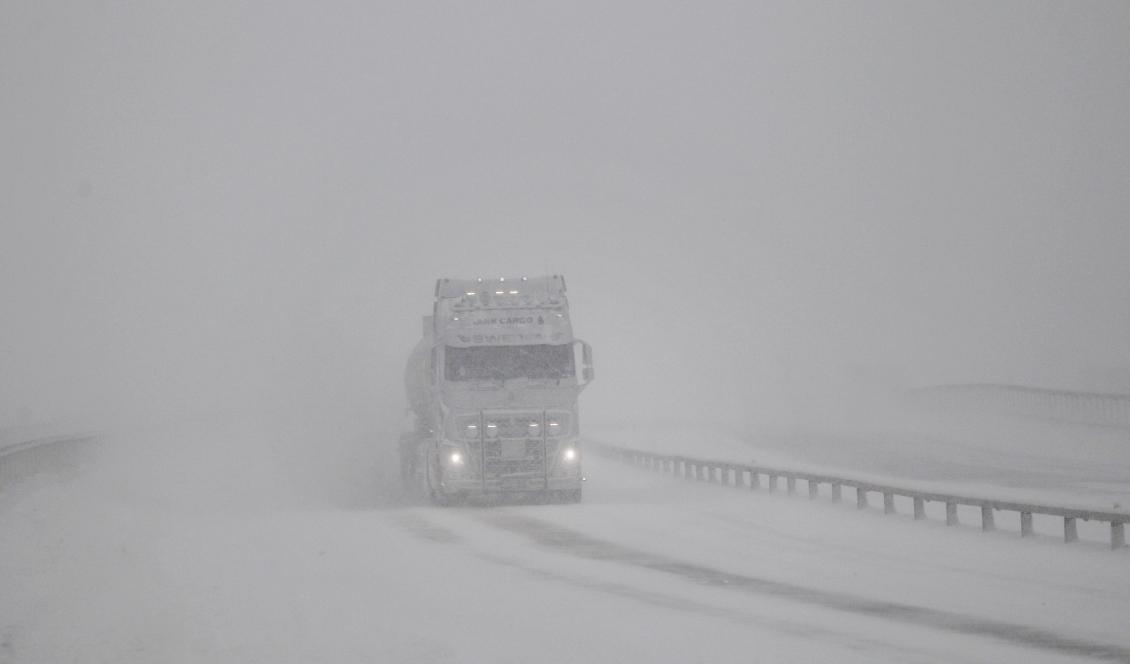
(583, 546)
(816, 547)
(420, 526)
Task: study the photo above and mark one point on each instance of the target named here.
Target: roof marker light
(513, 292)
(470, 292)
(498, 292)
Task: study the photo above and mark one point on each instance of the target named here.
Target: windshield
(541, 361)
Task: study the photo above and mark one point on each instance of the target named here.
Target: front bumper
(468, 486)
(480, 474)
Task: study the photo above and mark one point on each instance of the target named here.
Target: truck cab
(494, 385)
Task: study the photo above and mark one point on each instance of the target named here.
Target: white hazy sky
(208, 205)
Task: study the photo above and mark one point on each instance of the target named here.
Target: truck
(492, 387)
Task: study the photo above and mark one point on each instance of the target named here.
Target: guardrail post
(1070, 532)
(888, 503)
(739, 477)
(790, 483)
(919, 508)
(837, 491)
(1117, 535)
(951, 514)
(1025, 524)
(754, 480)
(860, 498)
(813, 489)
(772, 483)
(987, 518)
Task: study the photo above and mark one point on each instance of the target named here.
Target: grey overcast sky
(210, 205)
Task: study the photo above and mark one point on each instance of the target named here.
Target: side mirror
(586, 372)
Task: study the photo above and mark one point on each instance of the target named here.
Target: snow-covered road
(187, 555)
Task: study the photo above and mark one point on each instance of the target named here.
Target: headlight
(471, 431)
(455, 458)
(570, 454)
(492, 430)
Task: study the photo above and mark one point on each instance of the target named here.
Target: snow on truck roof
(545, 287)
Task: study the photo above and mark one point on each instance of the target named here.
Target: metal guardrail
(23, 457)
(1098, 408)
(731, 474)
(23, 445)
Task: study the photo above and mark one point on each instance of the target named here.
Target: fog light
(456, 459)
(570, 454)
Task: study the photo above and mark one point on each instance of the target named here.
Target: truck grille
(514, 447)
